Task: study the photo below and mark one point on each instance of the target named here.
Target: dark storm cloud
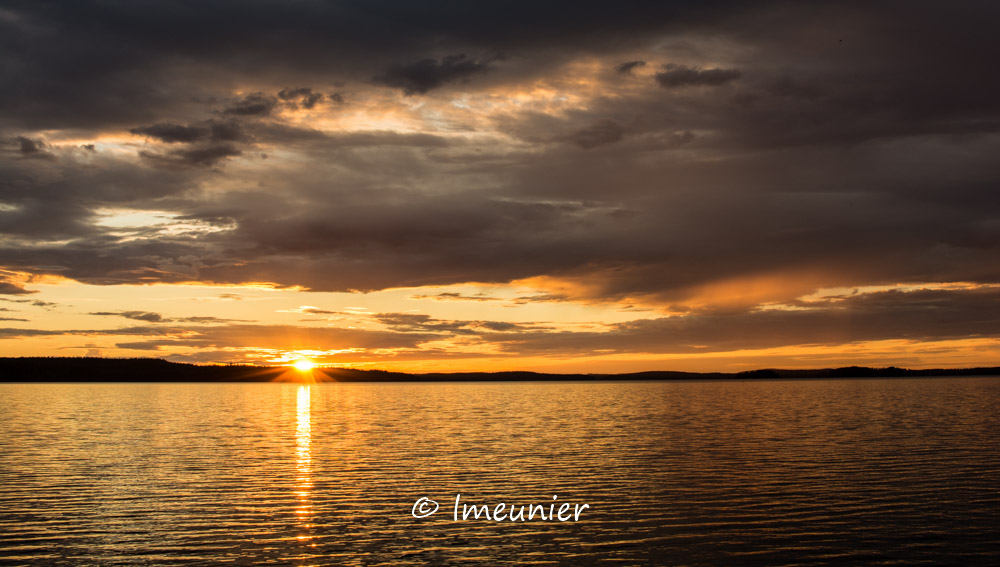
(303, 96)
(55, 199)
(206, 156)
(627, 67)
(226, 131)
(317, 142)
(254, 104)
(868, 160)
(107, 261)
(171, 133)
(71, 69)
(600, 134)
(424, 75)
(785, 86)
(674, 76)
(30, 148)
(409, 243)
(214, 130)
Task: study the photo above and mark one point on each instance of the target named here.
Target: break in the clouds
(680, 157)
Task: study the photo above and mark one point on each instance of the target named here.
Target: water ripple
(841, 472)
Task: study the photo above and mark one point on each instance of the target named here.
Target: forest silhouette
(92, 369)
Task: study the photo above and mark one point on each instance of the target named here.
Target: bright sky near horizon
(515, 186)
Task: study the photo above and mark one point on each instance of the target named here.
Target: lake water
(783, 472)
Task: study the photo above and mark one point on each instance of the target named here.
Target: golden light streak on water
(303, 458)
(728, 472)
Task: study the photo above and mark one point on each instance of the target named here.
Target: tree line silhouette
(91, 369)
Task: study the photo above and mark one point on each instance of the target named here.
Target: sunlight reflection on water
(303, 463)
(698, 473)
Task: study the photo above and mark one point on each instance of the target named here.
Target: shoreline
(154, 370)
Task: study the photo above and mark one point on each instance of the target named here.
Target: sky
(553, 186)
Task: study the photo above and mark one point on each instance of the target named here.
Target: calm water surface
(877, 472)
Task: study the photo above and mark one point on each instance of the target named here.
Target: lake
(770, 472)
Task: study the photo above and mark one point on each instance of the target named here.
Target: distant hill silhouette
(85, 369)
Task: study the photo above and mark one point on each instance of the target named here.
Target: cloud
(213, 130)
(916, 315)
(921, 315)
(10, 288)
(674, 76)
(28, 147)
(83, 77)
(455, 296)
(816, 163)
(208, 319)
(599, 134)
(206, 156)
(11, 333)
(286, 337)
(253, 104)
(93, 350)
(151, 317)
(304, 97)
(627, 67)
(226, 131)
(32, 148)
(242, 336)
(419, 322)
(421, 76)
(147, 316)
(172, 133)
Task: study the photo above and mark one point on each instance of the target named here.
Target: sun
(304, 365)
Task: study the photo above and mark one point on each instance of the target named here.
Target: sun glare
(304, 365)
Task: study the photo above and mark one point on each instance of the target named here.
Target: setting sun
(304, 365)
